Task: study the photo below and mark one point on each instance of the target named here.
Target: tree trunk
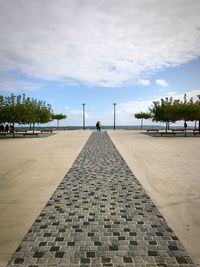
(166, 127)
(33, 127)
(13, 129)
(141, 123)
(30, 127)
(185, 130)
(57, 124)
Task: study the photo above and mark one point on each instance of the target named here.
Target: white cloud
(76, 112)
(125, 111)
(190, 94)
(162, 83)
(103, 43)
(74, 117)
(11, 85)
(143, 82)
(171, 93)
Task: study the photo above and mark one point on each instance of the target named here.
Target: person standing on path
(185, 125)
(98, 126)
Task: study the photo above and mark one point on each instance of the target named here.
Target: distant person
(98, 126)
(6, 128)
(2, 128)
(185, 125)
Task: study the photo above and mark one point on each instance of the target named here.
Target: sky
(129, 52)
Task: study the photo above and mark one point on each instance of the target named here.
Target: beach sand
(31, 169)
(169, 170)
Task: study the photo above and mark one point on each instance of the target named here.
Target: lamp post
(83, 116)
(199, 104)
(114, 104)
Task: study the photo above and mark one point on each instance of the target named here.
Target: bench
(29, 134)
(196, 132)
(21, 131)
(167, 133)
(46, 131)
(152, 130)
(178, 130)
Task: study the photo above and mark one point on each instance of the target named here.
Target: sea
(72, 128)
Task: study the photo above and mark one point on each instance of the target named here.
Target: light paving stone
(100, 216)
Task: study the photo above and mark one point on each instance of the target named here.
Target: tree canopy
(142, 115)
(58, 117)
(170, 110)
(23, 110)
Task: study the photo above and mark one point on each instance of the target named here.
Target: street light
(83, 116)
(114, 104)
(199, 104)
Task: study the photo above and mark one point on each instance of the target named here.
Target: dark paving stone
(128, 259)
(134, 243)
(152, 253)
(106, 260)
(113, 248)
(59, 254)
(181, 260)
(71, 243)
(100, 216)
(54, 249)
(85, 260)
(38, 254)
(90, 254)
(18, 261)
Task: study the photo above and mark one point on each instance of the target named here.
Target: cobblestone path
(100, 216)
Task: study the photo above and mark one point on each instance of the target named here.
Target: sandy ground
(169, 170)
(30, 171)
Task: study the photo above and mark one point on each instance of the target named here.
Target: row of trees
(169, 110)
(19, 109)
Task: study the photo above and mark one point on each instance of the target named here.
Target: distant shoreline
(123, 127)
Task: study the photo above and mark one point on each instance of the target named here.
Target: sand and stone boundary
(100, 216)
(30, 171)
(169, 170)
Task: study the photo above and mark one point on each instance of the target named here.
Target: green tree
(2, 110)
(142, 115)
(163, 111)
(23, 110)
(58, 117)
(168, 110)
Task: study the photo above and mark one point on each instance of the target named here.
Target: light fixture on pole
(83, 116)
(199, 104)
(114, 104)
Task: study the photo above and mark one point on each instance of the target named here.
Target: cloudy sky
(70, 52)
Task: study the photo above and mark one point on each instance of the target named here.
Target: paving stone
(18, 261)
(100, 216)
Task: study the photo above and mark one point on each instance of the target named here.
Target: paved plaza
(100, 216)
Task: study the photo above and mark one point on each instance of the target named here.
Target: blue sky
(100, 52)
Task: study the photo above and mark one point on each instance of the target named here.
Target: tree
(2, 110)
(169, 110)
(58, 117)
(23, 110)
(163, 111)
(142, 115)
